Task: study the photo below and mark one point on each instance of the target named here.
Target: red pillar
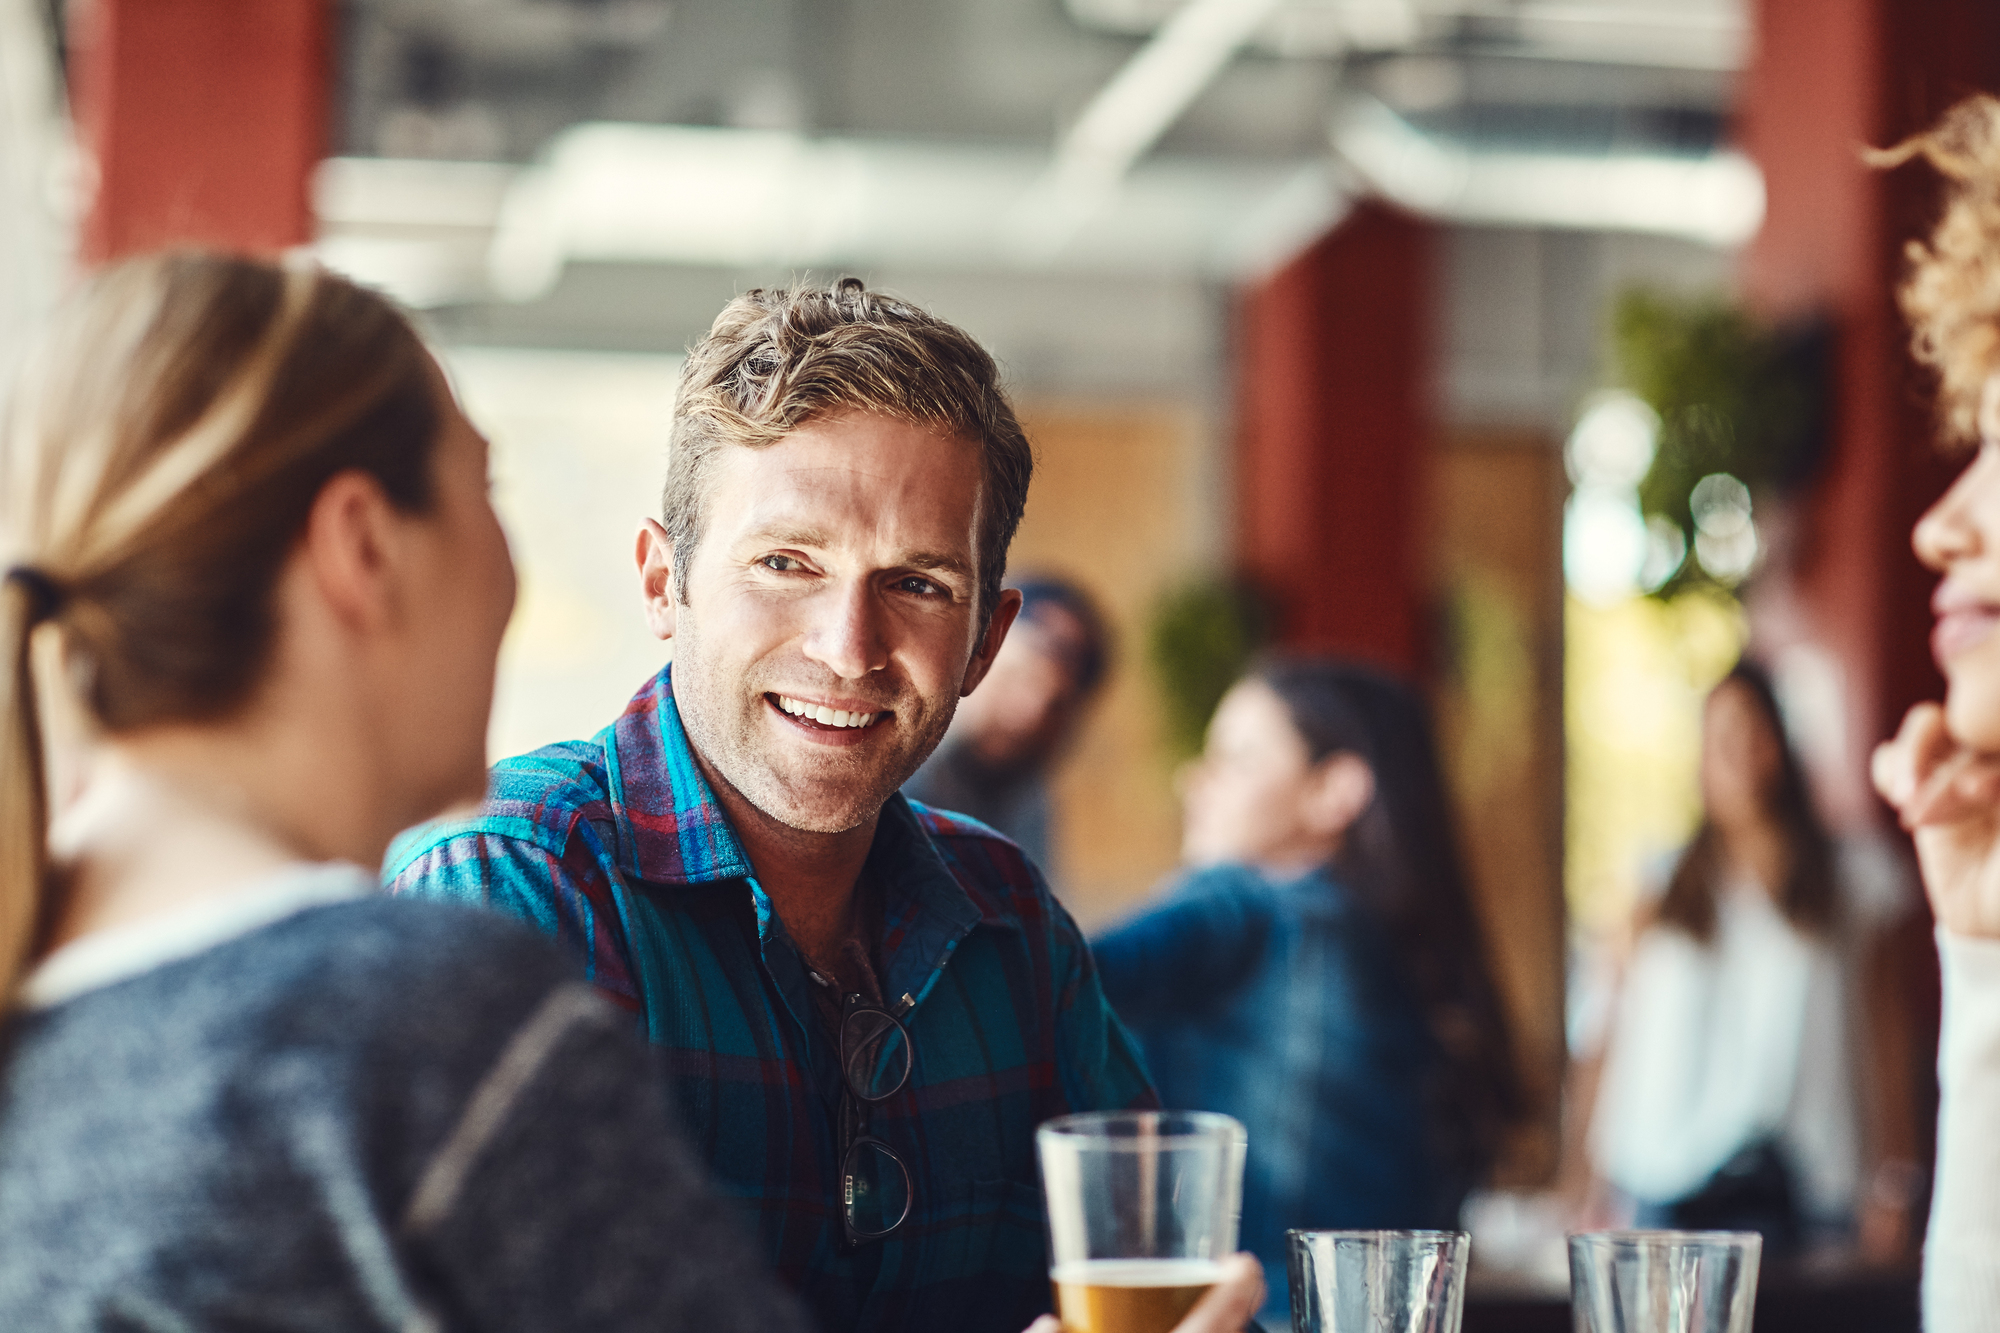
(1828, 77)
(204, 119)
(1333, 364)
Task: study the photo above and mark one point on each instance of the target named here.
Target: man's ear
(349, 545)
(1341, 788)
(988, 647)
(655, 555)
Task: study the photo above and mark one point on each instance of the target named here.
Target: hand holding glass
(1143, 1207)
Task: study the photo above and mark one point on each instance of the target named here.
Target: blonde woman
(1942, 772)
(237, 1089)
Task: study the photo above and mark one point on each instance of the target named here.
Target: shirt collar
(671, 829)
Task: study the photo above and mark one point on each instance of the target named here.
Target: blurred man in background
(1003, 747)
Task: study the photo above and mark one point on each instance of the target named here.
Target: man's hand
(1949, 798)
(1228, 1306)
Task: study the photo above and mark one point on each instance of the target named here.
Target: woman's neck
(1299, 857)
(1757, 849)
(170, 821)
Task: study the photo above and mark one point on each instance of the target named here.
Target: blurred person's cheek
(1972, 695)
(1966, 642)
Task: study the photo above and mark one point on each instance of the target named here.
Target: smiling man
(865, 1006)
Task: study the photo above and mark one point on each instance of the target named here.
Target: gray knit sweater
(352, 1115)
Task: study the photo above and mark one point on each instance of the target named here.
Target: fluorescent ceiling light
(745, 198)
(1690, 34)
(435, 233)
(1717, 199)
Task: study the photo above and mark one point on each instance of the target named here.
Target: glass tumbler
(1143, 1207)
(1663, 1281)
(1377, 1281)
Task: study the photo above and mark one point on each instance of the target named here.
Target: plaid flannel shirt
(617, 848)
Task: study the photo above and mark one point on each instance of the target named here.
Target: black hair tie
(45, 595)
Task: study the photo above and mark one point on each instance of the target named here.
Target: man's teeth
(826, 717)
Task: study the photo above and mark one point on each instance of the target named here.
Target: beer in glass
(1143, 1208)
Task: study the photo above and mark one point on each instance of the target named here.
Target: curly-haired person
(1942, 771)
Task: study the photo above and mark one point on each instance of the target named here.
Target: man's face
(829, 627)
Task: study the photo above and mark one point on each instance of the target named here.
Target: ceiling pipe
(1716, 198)
(1126, 118)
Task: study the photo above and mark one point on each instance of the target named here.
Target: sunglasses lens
(876, 1189)
(877, 1054)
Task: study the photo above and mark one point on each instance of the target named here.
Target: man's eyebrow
(786, 536)
(950, 564)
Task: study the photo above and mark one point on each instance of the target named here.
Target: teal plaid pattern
(616, 848)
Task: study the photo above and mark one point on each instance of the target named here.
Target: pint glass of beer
(1143, 1207)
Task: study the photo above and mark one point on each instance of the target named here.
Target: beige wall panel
(1497, 533)
(1122, 504)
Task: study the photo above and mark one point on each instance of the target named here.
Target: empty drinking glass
(1377, 1281)
(1663, 1281)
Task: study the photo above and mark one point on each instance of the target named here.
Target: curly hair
(776, 359)
(1951, 294)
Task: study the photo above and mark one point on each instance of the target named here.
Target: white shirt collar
(121, 952)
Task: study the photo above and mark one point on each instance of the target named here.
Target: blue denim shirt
(1283, 1004)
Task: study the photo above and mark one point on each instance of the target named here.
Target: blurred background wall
(1308, 294)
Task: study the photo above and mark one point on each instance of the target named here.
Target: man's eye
(781, 563)
(921, 586)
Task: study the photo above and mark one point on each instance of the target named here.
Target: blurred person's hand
(1885, 1233)
(1227, 1308)
(1948, 797)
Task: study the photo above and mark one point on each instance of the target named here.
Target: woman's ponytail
(27, 598)
(162, 453)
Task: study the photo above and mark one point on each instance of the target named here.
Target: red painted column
(204, 119)
(1333, 363)
(1828, 77)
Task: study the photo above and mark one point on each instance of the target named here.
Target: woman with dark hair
(1317, 972)
(1728, 1096)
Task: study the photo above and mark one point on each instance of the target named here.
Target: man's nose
(847, 635)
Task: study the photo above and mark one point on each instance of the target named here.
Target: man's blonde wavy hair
(1951, 293)
(777, 359)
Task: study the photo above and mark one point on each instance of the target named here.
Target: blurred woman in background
(237, 1088)
(1728, 1097)
(1317, 972)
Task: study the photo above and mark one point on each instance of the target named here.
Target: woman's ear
(350, 547)
(1340, 788)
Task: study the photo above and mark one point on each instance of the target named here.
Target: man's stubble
(833, 791)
